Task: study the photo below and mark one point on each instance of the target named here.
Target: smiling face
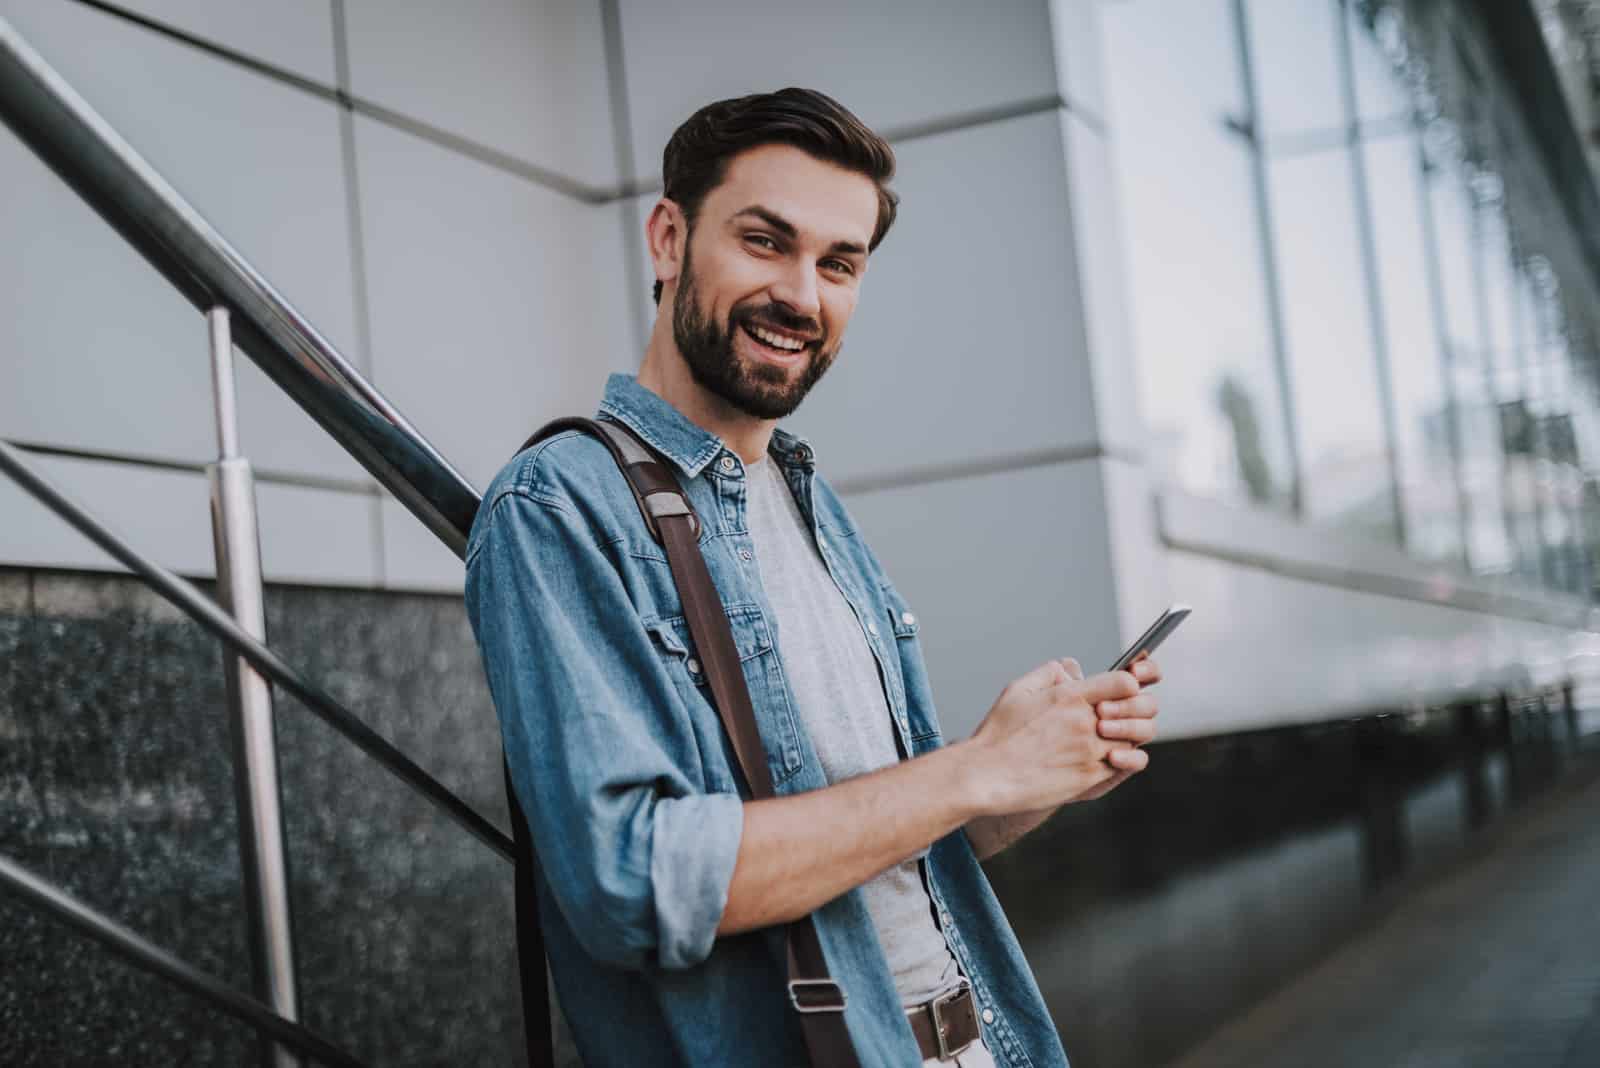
(770, 275)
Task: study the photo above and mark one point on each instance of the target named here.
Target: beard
(760, 390)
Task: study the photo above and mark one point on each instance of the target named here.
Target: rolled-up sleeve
(602, 754)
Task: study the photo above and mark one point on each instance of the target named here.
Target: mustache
(779, 316)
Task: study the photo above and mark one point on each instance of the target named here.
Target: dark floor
(1495, 963)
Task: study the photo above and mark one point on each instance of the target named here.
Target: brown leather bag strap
(813, 993)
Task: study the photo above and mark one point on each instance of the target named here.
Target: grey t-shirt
(834, 679)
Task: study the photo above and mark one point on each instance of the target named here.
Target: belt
(946, 1025)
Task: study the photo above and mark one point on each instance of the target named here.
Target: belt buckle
(936, 1007)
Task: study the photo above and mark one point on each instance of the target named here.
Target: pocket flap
(751, 636)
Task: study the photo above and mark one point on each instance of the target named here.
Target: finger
(1141, 706)
(1108, 686)
(1147, 671)
(1136, 731)
(1072, 667)
(1128, 760)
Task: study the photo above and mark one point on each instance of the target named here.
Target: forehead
(822, 200)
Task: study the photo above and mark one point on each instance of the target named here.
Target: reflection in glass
(1384, 101)
(1416, 364)
(1482, 468)
(1344, 456)
(1201, 326)
(1560, 480)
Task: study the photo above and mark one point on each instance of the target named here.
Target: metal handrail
(200, 608)
(152, 958)
(76, 143)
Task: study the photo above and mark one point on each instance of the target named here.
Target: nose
(796, 287)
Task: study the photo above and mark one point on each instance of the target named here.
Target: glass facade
(1214, 405)
(1368, 330)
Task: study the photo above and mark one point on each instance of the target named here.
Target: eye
(761, 241)
(840, 266)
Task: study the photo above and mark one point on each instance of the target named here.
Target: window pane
(1333, 372)
(1452, 220)
(1416, 364)
(1525, 455)
(1201, 327)
(1561, 481)
(1499, 285)
(1477, 413)
(1294, 52)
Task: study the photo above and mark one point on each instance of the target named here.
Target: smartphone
(1165, 624)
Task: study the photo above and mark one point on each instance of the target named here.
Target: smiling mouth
(774, 344)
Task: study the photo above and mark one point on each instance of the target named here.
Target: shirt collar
(690, 446)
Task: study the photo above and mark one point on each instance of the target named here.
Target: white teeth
(777, 341)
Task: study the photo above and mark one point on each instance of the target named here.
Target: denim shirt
(631, 790)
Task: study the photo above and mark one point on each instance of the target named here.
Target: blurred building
(1282, 308)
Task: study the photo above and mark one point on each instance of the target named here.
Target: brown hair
(696, 158)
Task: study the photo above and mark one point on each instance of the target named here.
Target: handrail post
(255, 751)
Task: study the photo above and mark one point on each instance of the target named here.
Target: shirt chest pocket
(763, 675)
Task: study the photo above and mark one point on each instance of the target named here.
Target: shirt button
(907, 618)
(988, 1016)
(944, 918)
(693, 665)
(744, 554)
(728, 463)
(872, 628)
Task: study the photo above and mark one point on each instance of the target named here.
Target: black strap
(536, 1022)
(813, 993)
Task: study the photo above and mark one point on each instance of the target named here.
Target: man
(663, 891)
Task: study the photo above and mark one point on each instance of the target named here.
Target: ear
(666, 233)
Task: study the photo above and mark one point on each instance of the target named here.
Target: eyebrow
(787, 229)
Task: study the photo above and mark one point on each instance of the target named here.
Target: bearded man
(663, 885)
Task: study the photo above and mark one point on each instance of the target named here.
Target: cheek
(732, 280)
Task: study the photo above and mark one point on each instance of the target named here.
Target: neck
(665, 373)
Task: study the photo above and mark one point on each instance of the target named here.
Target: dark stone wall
(116, 783)
(1149, 917)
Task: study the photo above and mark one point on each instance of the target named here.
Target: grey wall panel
(525, 77)
(163, 514)
(495, 302)
(316, 536)
(307, 535)
(296, 35)
(108, 358)
(98, 350)
(1005, 572)
(891, 63)
(1075, 28)
(1100, 294)
(413, 559)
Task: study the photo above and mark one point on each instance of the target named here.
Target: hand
(1040, 745)
(1130, 721)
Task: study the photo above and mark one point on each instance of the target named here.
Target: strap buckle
(816, 995)
(665, 503)
(941, 1029)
